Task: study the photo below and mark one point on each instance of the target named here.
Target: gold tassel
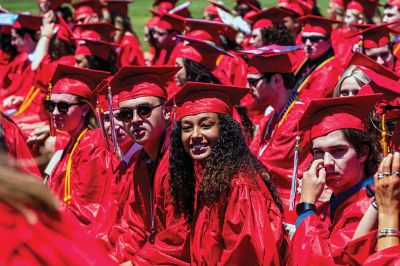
(53, 131)
(383, 140)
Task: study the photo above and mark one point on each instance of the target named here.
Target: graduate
(222, 190)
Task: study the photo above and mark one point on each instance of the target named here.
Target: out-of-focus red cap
(90, 47)
(341, 3)
(366, 6)
(132, 82)
(165, 4)
(29, 22)
(77, 81)
(86, 8)
(211, 9)
(300, 8)
(205, 30)
(171, 22)
(99, 31)
(318, 24)
(64, 32)
(54, 4)
(202, 52)
(152, 22)
(324, 116)
(221, 6)
(394, 3)
(5, 29)
(119, 7)
(270, 63)
(196, 98)
(375, 36)
(269, 17)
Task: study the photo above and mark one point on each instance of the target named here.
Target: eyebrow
(330, 147)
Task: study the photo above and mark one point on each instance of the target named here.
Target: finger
(314, 166)
(322, 175)
(380, 170)
(387, 165)
(396, 162)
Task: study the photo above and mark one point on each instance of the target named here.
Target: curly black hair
(198, 73)
(277, 34)
(229, 157)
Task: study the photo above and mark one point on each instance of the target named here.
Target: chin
(200, 157)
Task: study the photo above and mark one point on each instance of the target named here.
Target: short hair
(352, 71)
(288, 79)
(277, 34)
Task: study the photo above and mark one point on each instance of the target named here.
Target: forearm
(367, 223)
(42, 49)
(388, 220)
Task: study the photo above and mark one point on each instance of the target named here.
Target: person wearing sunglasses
(81, 177)
(218, 185)
(148, 232)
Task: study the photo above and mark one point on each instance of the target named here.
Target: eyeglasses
(142, 110)
(313, 39)
(62, 107)
(254, 81)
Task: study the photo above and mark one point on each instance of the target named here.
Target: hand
(313, 182)
(13, 101)
(39, 135)
(387, 188)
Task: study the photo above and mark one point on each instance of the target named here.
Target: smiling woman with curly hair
(218, 185)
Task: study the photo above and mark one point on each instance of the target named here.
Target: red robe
(388, 256)
(130, 237)
(244, 228)
(342, 45)
(16, 147)
(234, 68)
(130, 52)
(91, 177)
(321, 239)
(48, 241)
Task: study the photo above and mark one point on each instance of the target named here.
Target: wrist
(303, 207)
(308, 199)
(46, 36)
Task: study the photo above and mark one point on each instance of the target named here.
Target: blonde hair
(356, 73)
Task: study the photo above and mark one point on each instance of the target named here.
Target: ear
(166, 112)
(85, 109)
(364, 153)
(277, 79)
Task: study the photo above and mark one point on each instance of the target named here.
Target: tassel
(100, 118)
(114, 140)
(297, 148)
(383, 140)
(53, 131)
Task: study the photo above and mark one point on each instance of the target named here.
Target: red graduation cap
(221, 6)
(196, 98)
(204, 29)
(202, 52)
(29, 22)
(324, 116)
(102, 96)
(211, 9)
(366, 6)
(375, 36)
(165, 4)
(270, 63)
(86, 8)
(77, 81)
(152, 22)
(269, 17)
(119, 7)
(318, 24)
(394, 3)
(101, 31)
(95, 48)
(64, 32)
(132, 82)
(5, 29)
(341, 3)
(171, 22)
(297, 6)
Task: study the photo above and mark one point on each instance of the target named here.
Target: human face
(261, 88)
(162, 38)
(256, 38)
(314, 49)
(81, 61)
(123, 138)
(353, 17)
(349, 87)
(390, 14)
(382, 55)
(74, 118)
(181, 75)
(18, 41)
(146, 130)
(344, 167)
(199, 134)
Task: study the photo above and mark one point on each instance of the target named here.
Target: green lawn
(138, 11)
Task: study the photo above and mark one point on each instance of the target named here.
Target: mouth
(139, 133)
(199, 148)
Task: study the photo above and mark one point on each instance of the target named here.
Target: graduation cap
(170, 22)
(90, 47)
(324, 116)
(270, 63)
(182, 10)
(54, 4)
(196, 98)
(318, 24)
(86, 8)
(269, 17)
(76, 80)
(119, 7)
(101, 31)
(164, 4)
(202, 52)
(204, 29)
(375, 36)
(394, 3)
(132, 82)
(26, 21)
(64, 32)
(300, 8)
(366, 6)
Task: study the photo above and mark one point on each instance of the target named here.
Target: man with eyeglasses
(148, 231)
(87, 11)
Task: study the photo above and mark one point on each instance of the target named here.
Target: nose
(328, 160)
(196, 132)
(379, 60)
(136, 118)
(308, 42)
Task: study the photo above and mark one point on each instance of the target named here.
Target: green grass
(138, 11)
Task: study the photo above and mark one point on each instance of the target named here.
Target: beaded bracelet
(387, 232)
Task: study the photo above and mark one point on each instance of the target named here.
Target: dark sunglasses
(254, 81)
(143, 111)
(62, 107)
(313, 39)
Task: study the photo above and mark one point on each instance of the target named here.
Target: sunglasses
(143, 111)
(254, 81)
(62, 107)
(313, 39)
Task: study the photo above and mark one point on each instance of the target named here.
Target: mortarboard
(86, 8)
(170, 22)
(101, 31)
(394, 3)
(270, 63)
(132, 82)
(90, 47)
(119, 7)
(318, 24)
(204, 29)
(29, 22)
(366, 6)
(269, 17)
(196, 98)
(375, 36)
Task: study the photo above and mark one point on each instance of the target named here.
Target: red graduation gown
(321, 240)
(48, 241)
(245, 228)
(234, 68)
(91, 176)
(388, 256)
(16, 147)
(130, 52)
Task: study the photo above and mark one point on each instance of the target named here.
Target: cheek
(185, 137)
